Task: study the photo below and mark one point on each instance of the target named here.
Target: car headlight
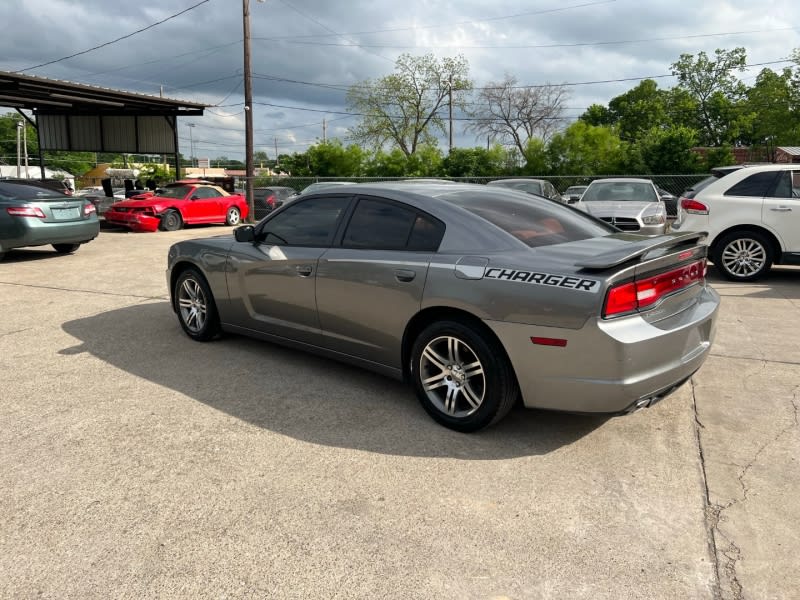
(653, 219)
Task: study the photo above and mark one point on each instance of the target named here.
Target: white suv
(752, 216)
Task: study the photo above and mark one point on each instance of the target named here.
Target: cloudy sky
(305, 53)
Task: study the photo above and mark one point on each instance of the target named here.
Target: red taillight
(635, 295)
(88, 209)
(693, 207)
(25, 211)
(271, 201)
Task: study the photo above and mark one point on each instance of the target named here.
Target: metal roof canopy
(84, 118)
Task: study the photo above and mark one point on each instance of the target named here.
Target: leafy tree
(639, 109)
(332, 159)
(774, 103)
(536, 158)
(716, 89)
(404, 108)
(583, 149)
(510, 114)
(387, 164)
(475, 162)
(597, 114)
(670, 150)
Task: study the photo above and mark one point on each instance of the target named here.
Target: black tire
(470, 383)
(66, 248)
(171, 220)
(743, 255)
(194, 303)
(233, 216)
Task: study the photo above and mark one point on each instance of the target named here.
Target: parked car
(476, 295)
(670, 202)
(540, 187)
(321, 185)
(626, 203)
(102, 202)
(752, 216)
(38, 216)
(267, 199)
(178, 203)
(573, 193)
(58, 185)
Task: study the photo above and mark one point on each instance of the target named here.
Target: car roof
(517, 180)
(621, 180)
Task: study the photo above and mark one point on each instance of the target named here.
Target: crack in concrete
(712, 516)
(7, 333)
(731, 552)
(97, 292)
(761, 360)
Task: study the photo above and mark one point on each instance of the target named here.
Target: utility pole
(450, 90)
(277, 160)
(248, 114)
(324, 131)
(19, 155)
(191, 143)
(25, 147)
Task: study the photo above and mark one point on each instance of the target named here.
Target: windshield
(620, 191)
(178, 191)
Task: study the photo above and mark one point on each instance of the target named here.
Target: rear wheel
(194, 302)
(743, 255)
(66, 248)
(171, 220)
(234, 216)
(462, 377)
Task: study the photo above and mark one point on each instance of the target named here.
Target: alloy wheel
(744, 257)
(452, 376)
(193, 305)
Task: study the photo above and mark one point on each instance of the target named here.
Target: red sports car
(176, 204)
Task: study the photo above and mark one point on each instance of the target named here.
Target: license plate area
(63, 214)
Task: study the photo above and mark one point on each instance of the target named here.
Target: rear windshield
(534, 221)
(620, 191)
(11, 191)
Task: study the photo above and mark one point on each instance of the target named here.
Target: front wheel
(461, 376)
(171, 220)
(66, 248)
(234, 216)
(743, 255)
(194, 302)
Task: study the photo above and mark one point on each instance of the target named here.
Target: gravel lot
(137, 463)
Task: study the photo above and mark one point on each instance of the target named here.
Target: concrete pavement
(137, 463)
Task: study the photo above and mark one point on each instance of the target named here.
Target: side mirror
(195, 198)
(245, 233)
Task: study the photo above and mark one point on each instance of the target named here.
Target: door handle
(303, 270)
(404, 275)
(781, 209)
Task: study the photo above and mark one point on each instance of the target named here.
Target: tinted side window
(377, 224)
(309, 222)
(758, 184)
(427, 234)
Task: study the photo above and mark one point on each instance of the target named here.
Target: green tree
(639, 109)
(332, 159)
(716, 89)
(669, 151)
(475, 162)
(583, 149)
(404, 109)
(774, 103)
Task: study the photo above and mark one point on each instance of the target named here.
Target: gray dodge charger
(477, 296)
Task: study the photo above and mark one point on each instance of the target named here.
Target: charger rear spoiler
(638, 249)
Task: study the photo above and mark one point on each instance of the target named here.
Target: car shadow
(20, 255)
(781, 282)
(302, 396)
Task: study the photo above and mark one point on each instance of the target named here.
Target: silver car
(626, 203)
(478, 296)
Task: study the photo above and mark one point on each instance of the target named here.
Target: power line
(541, 46)
(119, 39)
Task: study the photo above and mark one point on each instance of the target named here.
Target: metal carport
(83, 118)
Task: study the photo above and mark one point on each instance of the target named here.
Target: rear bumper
(33, 232)
(133, 221)
(610, 366)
